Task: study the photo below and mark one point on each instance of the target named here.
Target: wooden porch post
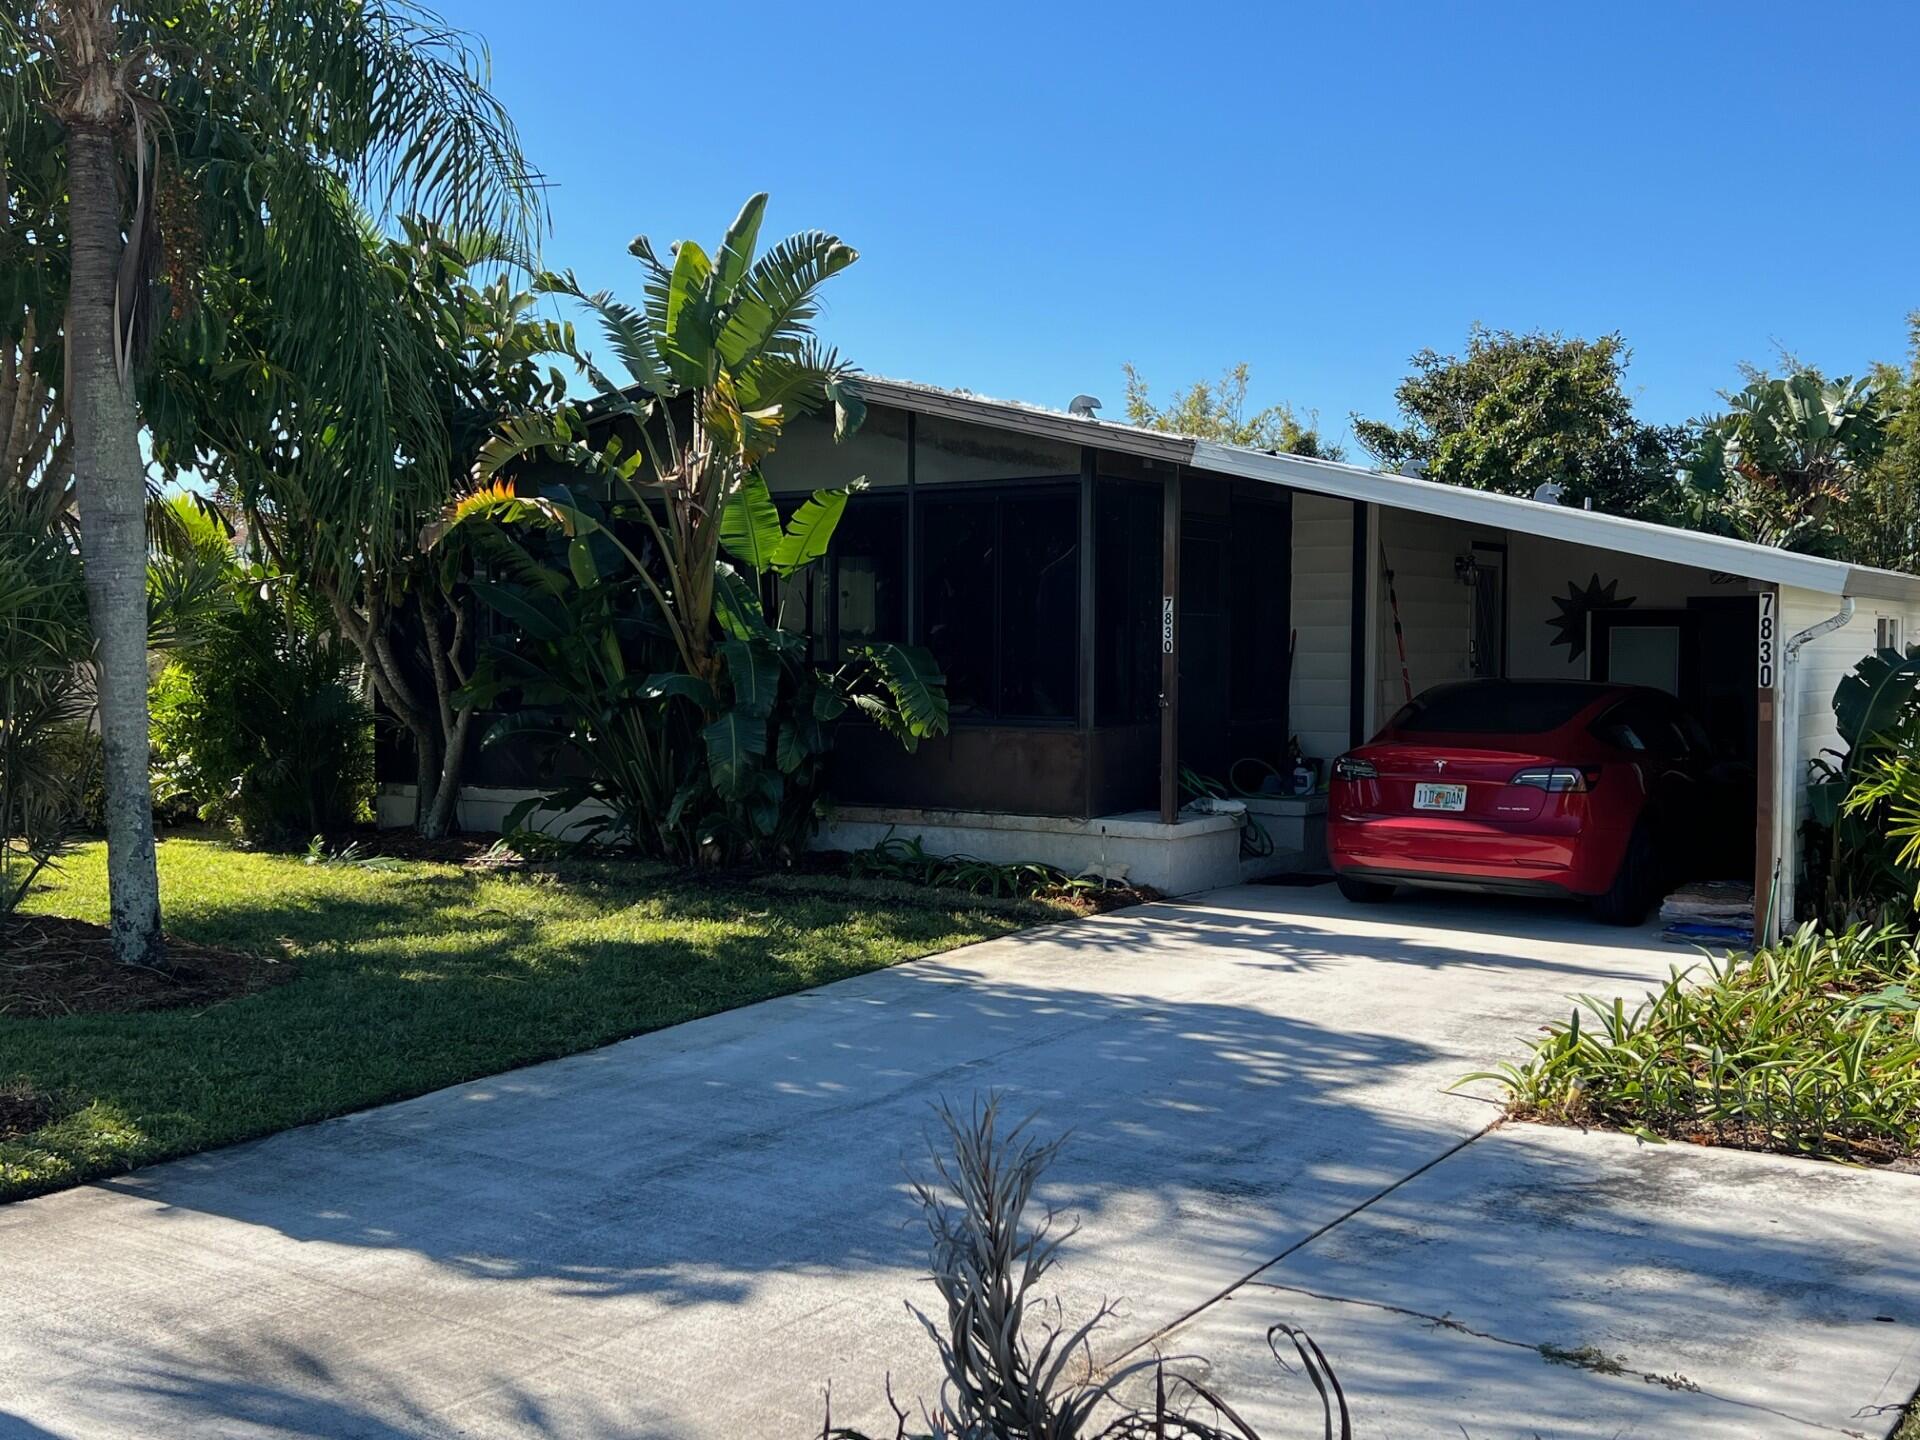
(1088, 560)
(913, 536)
(1766, 767)
(1170, 649)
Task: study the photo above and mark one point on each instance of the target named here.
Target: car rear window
(1495, 708)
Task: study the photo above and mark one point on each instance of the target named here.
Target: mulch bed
(23, 1109)
(51, 966)
(1082, 901)
(470, 850)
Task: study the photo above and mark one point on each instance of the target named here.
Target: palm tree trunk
(110, 485)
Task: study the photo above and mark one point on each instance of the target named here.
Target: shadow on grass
(410, 981)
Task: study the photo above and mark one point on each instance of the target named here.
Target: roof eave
(1554, 522)
(1028, 420)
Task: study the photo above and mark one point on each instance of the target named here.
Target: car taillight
(1558, 779)
(1348, 768)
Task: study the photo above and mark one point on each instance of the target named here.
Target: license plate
(1439, 797)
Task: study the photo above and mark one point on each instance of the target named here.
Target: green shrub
(46, 694)
(898, 857)
(78, 752)
(1863, 850)
(260, 724)
(1810, 1046)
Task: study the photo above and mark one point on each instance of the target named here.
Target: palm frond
(627, 331)
(736, 250)
(293, 115)
(777, 297)
(750, 525)
(810, 531)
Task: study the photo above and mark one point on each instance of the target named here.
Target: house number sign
(1768, 625)
(1166, 624)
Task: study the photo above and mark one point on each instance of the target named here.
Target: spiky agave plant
(1002, 1383)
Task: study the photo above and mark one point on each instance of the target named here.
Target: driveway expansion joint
(1253, 1275)
(1585, 1357)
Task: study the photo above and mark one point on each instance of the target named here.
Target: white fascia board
(1557, 522)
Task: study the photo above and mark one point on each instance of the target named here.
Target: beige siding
(1322, 615)
(1436, 610)
(1541, 572)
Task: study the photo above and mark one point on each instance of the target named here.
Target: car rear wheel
(1362, 892)
(1626, 901)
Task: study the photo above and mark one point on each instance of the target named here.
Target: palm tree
(215, 147)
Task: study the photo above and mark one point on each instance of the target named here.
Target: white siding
(1436, 610)
(1322, 616)
(1822, 664)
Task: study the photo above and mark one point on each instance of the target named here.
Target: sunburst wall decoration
(1576, 605)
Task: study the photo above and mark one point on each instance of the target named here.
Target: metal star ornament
(1576, 605)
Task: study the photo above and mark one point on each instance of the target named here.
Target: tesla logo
(1439, 765)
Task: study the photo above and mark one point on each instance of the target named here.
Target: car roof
(1578, 702)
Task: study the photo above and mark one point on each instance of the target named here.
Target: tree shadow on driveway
(625, 1227)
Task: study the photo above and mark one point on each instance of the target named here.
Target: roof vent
(1083, 406)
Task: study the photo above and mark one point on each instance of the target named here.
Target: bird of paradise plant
(700, 726)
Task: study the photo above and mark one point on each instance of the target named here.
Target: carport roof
(1356, 482)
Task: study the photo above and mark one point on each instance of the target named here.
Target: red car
(1550, 787)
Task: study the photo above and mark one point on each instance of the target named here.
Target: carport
(1441, 583)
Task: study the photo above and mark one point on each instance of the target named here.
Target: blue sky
(1041, 192)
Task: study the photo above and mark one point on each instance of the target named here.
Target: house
(1116, 607)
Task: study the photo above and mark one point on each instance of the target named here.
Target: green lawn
(419, 977)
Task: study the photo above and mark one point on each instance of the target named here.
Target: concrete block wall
(1200, 852)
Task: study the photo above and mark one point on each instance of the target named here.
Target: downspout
(1786, 768)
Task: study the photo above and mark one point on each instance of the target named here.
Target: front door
(1704, 655)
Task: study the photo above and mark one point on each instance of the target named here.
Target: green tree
(1516, 412)
(1217, 410)
(36, 452)
(466, 330)
(208, 145)
(1787, 462)
(1879, 522)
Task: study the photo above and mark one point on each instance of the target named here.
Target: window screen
(1126, 578)
(1000, 601)
(959, 556)
(854, 595)
(1040, 606)
(869, 570)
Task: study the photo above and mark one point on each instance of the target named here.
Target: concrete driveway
(692, 1233)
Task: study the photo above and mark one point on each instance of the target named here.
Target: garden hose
(1233, 777)
(1255, 843)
